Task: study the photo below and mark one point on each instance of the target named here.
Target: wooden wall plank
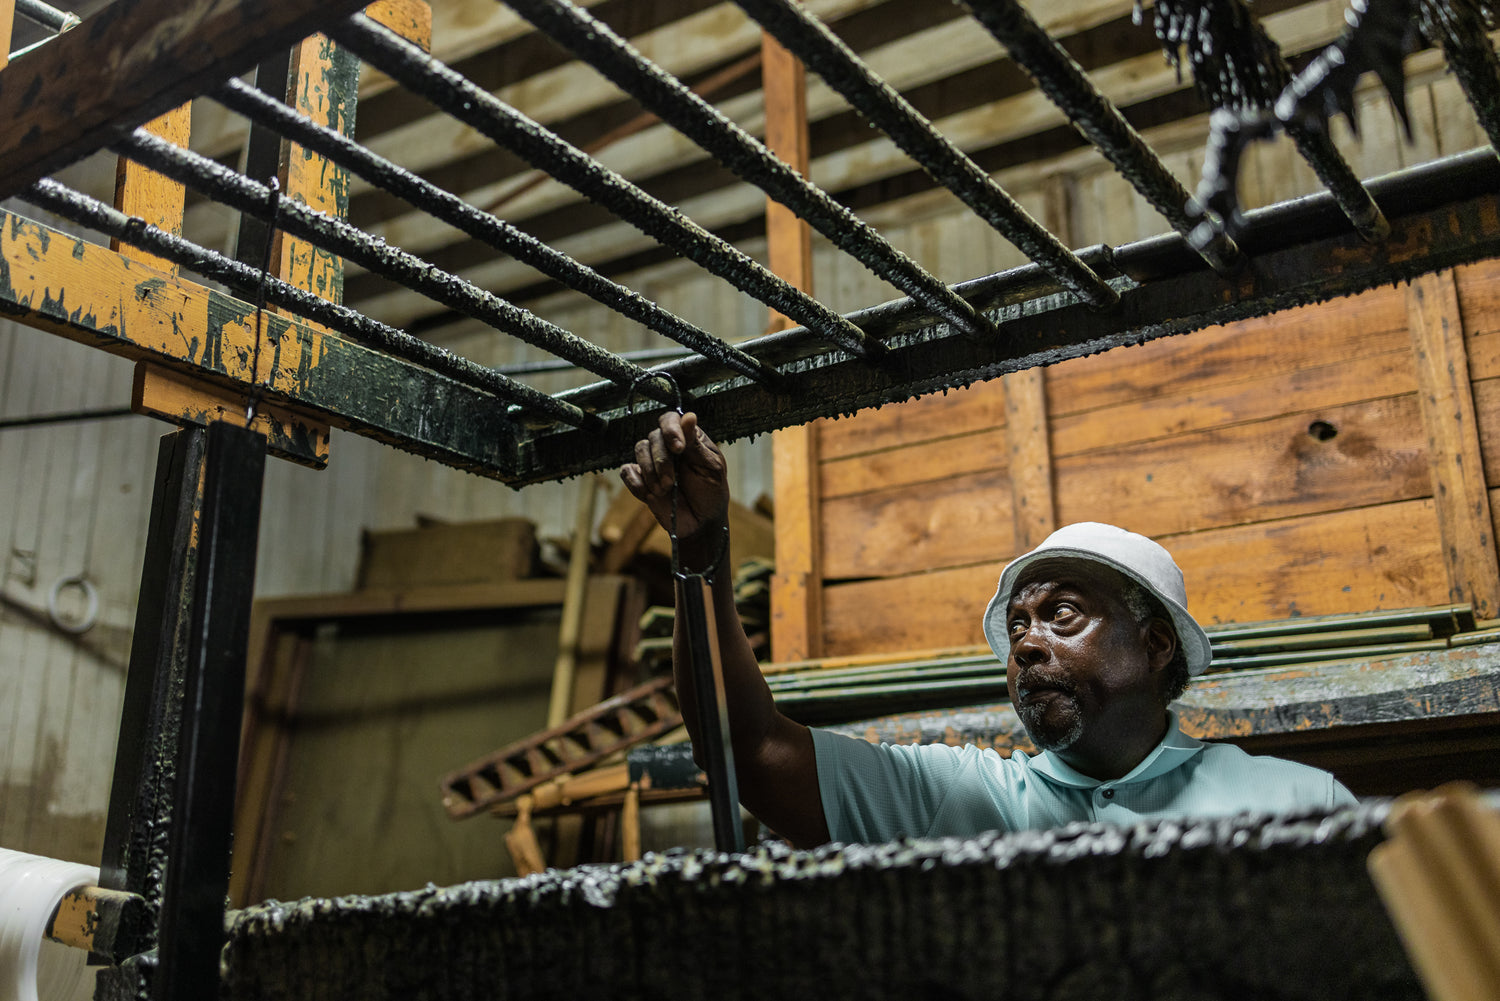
(922, 461)
(950, 522)
(1274, 468)
(1186, 405)
(942, 415)
(1029, 451)
(1305, 337)
(1254, 471)
(1446, 399)
(1352, 560)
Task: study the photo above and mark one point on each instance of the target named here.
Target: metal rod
(558, 365)
(598, 45)
(237, 191)
(191, 930)
(713, 746)
(1097, 117)
(476, 107)
(843, 70)
(47, 16)
(67, 418)
(1317, 148)
(96, 215)
(483, 226)
(1238, 66)
(1460, 29)
(1302, 251)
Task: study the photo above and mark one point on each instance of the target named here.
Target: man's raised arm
(773, 756)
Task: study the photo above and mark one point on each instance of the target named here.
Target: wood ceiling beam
(64, 285)
(463, 29)
(130, 63)
(984, 125)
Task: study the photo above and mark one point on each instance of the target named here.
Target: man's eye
(1063, 612)
(1017, 628)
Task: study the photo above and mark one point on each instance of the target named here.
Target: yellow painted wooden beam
(129, 63)
(93, 295)
(7, 25)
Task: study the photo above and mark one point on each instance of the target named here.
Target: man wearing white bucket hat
(1094, 631)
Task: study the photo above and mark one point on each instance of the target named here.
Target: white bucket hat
(1135, 556)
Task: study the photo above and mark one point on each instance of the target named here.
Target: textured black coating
(1461, 28)
(1299, 252)
(86, 211)
(191, 929)
(827, 55)
(598, 45)
(1237, 65)
(1096, 116)
(458, 96)
(237, 191)
(145, 771)
(1275, 909)
(482, 226)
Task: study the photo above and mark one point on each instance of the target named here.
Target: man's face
(1082, 673)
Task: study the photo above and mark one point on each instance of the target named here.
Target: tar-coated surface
(1229, 908)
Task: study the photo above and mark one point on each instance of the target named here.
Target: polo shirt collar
(1176, 749)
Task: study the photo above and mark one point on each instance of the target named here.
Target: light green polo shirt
(878, 792)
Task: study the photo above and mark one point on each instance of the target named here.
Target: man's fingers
(630, 473)
(698, 443)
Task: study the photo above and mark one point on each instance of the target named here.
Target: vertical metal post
(140, 807)
(712, 742)
(191, 929)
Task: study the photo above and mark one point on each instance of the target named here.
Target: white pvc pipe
(33, 968)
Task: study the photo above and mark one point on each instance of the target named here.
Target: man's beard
(1058, 735)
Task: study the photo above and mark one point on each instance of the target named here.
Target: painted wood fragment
(72, 288)
(176, 397)
(1446, 400)
(796, 587)
(144, 194)
(7, 25)
(130, 63)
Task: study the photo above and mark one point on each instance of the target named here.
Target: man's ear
(1161, 643)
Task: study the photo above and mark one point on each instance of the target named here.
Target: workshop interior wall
(916, 513)
(1217, 443)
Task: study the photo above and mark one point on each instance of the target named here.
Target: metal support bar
(598, 45)
(237, 191)
(846, 73)
(1097, 117)
(1238, 66)
(1299, 252)
(140, 800)
(263, 157)
(191, 933)
(1317, 148)
(712, 746)
(90, 212)
(46, 15)
(483, 226)
(543, 149)
(1460, 29)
